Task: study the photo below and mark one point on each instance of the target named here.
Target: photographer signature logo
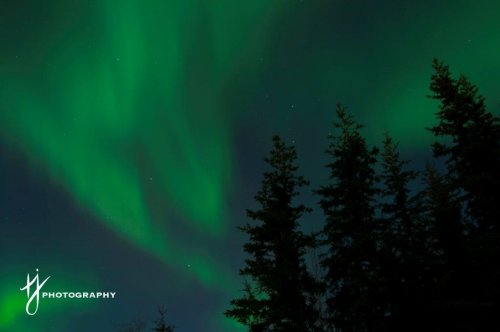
(33, 292)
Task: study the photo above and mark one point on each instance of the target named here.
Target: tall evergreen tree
(279, 294)
(456, 287)
(444, 214)
(473, 149)
(399, 209)
(403, 250)
(352, 274)
(472, 152)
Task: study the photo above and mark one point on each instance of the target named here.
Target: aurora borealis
(132, 132)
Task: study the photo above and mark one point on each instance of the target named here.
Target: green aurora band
(124, 101)
(111, 97)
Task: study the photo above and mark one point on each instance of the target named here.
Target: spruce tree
(401, 241)
(444, 217)
(451, 267)
(399, 209)
(352, 273)
(469, 140)
(472, 150)
(279, 292)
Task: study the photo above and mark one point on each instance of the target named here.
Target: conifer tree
(160, 324)
(472, 150)
(279, 293)
(444, 215)
(469, 140)
(402, 240)
(352, 273)
(398, 207)
(451, 267)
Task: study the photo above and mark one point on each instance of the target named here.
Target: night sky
(132, 134)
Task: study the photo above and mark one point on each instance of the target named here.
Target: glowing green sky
(128, 106)
(145, 114)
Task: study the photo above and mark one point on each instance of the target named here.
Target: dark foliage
(160, 324)
(352, 273)
(395, 258)
(405, 253)
(279, 295)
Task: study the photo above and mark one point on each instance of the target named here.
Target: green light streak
(131, 106)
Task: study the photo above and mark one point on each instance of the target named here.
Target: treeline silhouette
(392, 258)
(139, 325)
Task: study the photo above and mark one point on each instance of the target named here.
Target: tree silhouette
(160, 324)
(471, 150)
(349, 233)
(395, 258)
(444, 213)
(403, 247)
(139, 325)
(279, 294)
